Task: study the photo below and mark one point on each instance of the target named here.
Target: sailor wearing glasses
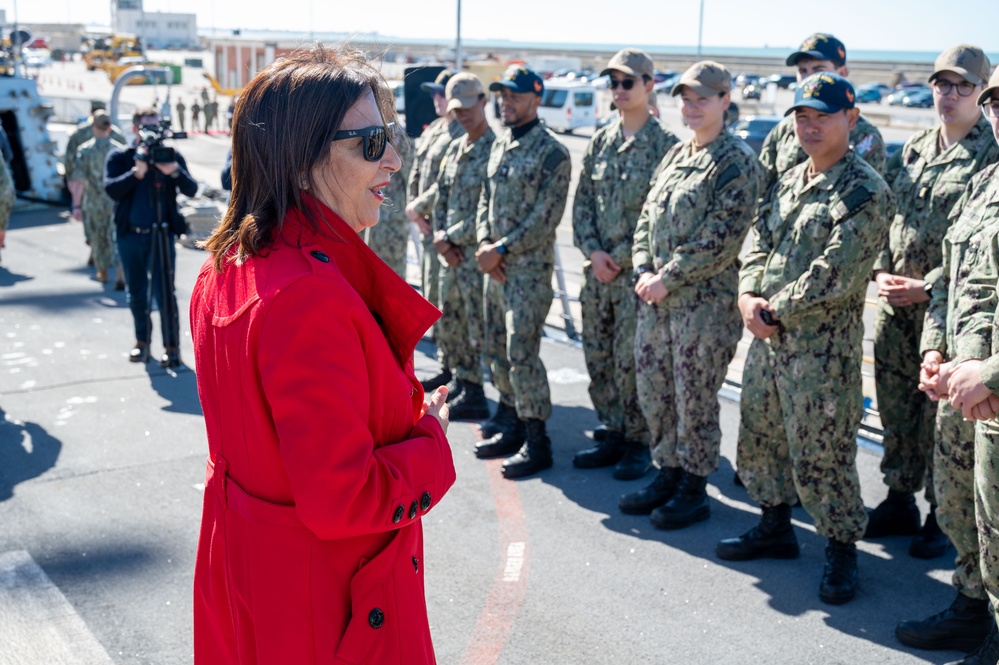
(523, 198)
(617, 167)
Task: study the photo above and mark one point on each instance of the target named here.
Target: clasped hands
(962, 385)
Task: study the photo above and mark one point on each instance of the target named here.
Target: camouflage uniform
(691, 230)
(457, 191)
(84, 132)
(954, 454)
(389, 238)
(781, 149)
(976, 335)
(523, 198)
(926, 185)
(7, 197)
(430, 149)
(98, 207)
(814, 243)
(613, 184)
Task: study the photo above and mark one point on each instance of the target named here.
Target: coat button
(319, 256)
(425, 502)
(416, 564)
(397, 517)
(376, 618)
(412, 510)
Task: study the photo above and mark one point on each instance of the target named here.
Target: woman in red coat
(323, 456)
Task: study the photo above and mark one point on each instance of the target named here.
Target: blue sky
(912, 25)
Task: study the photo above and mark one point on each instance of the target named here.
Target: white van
(566, 105)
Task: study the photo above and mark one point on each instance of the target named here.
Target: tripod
(161, 265)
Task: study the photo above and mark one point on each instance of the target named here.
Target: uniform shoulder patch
(851, 203)
(730, 173)
(554, 158)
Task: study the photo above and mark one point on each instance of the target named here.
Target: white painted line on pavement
(38, 626)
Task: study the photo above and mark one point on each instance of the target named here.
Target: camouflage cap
(437, 87)
(631, 61)
(990, 89)
(706, 78)
(824, 91)
(101, 119)
(463, 91)
(969, 62)
(520, 79)
(819, 46)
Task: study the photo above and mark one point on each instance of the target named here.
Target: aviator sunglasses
(627, 84)
(374, 139)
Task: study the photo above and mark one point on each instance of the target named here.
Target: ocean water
(777, 52)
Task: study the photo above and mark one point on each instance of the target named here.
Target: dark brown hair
(282, 128)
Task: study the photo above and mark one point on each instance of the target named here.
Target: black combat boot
(504, 418)
(600, 432)
(840, 578)
(435, 382)
(608, 450)
(634, 463)
(535, 455)
(656, 494)
(930, 542)
(962, 627)
(471, 404)
(987, 652)
(454, 388)
(688, 505)
(895, 516)
(507, 442)
(773, 538)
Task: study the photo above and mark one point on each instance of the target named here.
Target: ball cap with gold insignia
(463, 91)
(519, 79)
(706, 78)
(631, 61)
(825, 92)
(968, 62)
(990, 89)
(437, 87)
(819, 46)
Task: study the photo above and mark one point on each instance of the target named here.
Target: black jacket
(121, 185)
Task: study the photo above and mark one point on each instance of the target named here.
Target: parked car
(567, 105)
(905, 89)
(891, 147)
(398, 89)
(752, 91)
(784, 81)
(869, 93)
(753, 129)
(666, 85)
(918, 99)
(742, 80)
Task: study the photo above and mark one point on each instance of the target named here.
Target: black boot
(773, 538)
(634, 463)
(895, 516)
(600, 432)
(608, 450)
(435, 382)
(504, 418)
(471, 404)
(454, 388)
(961, 627)
(688, 505)
(930, 542)
(661, 490)
(839, 579)
(506, 442)
(535, 455)
(987, 652)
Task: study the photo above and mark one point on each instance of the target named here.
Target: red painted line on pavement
(506, 598)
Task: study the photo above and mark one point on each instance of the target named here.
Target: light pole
(700, 30)
(457, 43)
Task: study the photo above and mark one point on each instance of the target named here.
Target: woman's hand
(437, 407)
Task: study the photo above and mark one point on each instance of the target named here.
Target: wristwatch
(501, 249)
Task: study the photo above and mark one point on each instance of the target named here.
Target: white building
(156, 29)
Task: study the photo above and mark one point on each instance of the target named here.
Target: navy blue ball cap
(825, 92)
(520, 79)
(439, 84)
(819, 46)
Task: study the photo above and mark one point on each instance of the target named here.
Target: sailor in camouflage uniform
(930, 174)
(430, 149)
(964, 625)
(527, 183)
(389, 238)
(802, 290)
(781, 149)
(456, 195)
(7, 200)
(617, 167)
(96, 208)
(971, 381)
(685, 254)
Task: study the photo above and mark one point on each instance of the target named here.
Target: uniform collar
(827, 179)
(639, 137)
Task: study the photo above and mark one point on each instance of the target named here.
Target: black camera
(768, 318)
(152, 137)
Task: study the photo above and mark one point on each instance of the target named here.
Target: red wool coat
(320, 466)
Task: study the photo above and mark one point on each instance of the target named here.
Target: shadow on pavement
(177, 385)
(28, 219)
(8, 278)
(26, 451)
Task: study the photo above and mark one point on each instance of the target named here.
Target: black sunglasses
(627, 84)
(374, 139)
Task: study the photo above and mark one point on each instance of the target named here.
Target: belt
(135, 229)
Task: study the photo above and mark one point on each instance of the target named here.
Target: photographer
(138, 178)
